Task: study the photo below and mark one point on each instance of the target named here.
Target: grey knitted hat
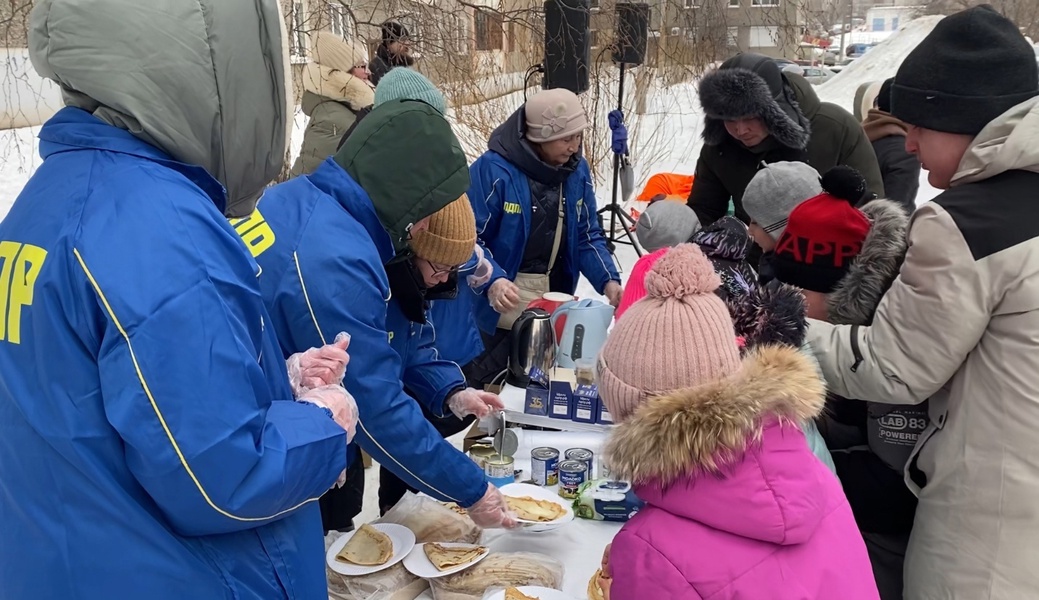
(775, 190)
(666, 223)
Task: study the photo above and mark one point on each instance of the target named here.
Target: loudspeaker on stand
(632, 33)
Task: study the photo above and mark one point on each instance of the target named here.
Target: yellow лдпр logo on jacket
(21, 266)
(255, 232)
(512, 208)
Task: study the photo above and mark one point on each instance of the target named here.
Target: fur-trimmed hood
(730, 454)
(337, 86)
(855, 299)
(706, 428)
(752, 85)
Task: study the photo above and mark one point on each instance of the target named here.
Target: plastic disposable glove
(471, 401)
(491, 512)
(613, 293)
(339, 402)
(482, 274)
(503, 295)
(318, 367)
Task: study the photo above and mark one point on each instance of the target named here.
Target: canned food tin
(572, 474)
(500, 470)
(481, 452)
(544, 466)
(582, 455)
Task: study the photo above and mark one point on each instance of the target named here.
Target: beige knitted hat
(679, 336)
(451, 235)
(553, 115)
(334, 52)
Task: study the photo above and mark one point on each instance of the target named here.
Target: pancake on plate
(369, 547)
(446, 557)
(530, 509)
(514, 594)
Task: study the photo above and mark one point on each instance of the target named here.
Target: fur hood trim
(338, 86)
(705, 428)
(855, 299)
(730, 94)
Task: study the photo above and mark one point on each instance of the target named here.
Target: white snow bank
(878, 64)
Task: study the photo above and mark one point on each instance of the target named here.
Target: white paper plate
(519, 490)
(419, 565)
(403, 541)
(541, 593)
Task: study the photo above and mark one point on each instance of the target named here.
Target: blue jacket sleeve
(183, 382)
(594, 258)
(392, 428)
(486, 194)
(429, 376)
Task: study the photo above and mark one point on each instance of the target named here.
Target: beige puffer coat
(961, 325)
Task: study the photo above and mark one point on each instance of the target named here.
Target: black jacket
(725, 166)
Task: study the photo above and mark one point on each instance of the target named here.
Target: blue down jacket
(500, 194)
(322, 251)
(149, 444)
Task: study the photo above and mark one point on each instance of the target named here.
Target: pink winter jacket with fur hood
(737, 507)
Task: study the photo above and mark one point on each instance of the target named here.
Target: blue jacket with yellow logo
(149, 444)
(322, 260)
(427, 375)
(500, 194)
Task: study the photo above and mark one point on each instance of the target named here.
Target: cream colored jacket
(960, 325)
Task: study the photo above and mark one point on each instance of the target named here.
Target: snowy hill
(878, 64)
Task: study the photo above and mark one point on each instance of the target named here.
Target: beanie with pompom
(824, 234)
(678, 336)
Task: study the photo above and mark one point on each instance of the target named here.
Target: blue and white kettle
(584, 326)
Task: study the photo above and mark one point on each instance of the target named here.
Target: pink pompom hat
(679, 336)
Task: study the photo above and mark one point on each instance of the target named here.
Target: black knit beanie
(974, 66)
(884, 97)
(393, 31)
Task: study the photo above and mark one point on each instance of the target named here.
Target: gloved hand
(318, 367)
(471, 401)
(619, 137)
(613, 293)
(339, 402)
(482, 274)
(503, 295)
(491, 512)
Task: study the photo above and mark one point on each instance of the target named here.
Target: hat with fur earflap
(751, 85)
(679, 336)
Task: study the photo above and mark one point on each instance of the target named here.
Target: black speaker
(567, 51)
(632, 33)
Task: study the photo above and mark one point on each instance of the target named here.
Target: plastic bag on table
(382, 585)
(498, 571)
(433, 521)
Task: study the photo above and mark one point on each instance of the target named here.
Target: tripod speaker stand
(630, 49)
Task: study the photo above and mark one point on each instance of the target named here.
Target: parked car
(857, 50)
(817, 75)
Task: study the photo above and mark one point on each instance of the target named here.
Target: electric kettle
(584, 327)
(533, 344)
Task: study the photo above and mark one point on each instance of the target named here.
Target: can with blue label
(582, 455)
(572, 474)
(544, 466)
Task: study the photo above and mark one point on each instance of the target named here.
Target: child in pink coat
(737, 507)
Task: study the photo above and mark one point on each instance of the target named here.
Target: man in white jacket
(960, 325)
